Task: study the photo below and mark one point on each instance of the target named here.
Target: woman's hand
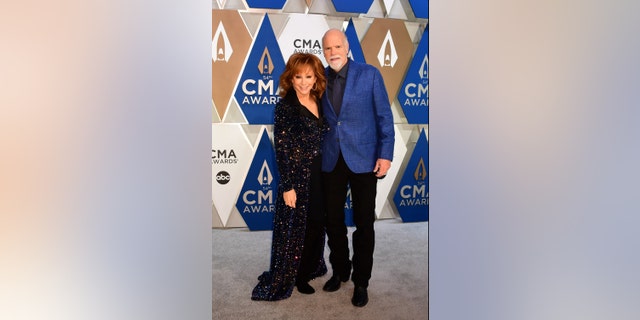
(290, 198)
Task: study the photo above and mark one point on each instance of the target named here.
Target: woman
(297, 247)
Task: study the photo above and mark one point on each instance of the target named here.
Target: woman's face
(304, 80)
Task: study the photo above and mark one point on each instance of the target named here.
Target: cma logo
(265, 177)
(223, 156)
(251, 87)
(265, 65)
(260, 201)
(417, 93)
(423, 71)
(387, 55)
(307, 46)
(223, 177)
(222, 49)
(420, 173)
(416, 194)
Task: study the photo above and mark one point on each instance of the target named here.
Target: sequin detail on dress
(298, 140)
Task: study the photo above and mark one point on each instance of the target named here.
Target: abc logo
(223, 177)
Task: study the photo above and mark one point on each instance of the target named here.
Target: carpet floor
(398, 288)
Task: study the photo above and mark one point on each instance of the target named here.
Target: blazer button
(338, 122)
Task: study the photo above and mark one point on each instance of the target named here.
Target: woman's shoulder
(287, 107)
(289, 99)
(283, 102)
(289, 102)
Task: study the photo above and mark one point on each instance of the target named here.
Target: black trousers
(363, 193)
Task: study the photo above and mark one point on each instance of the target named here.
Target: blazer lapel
(350, 87)
(326, 101)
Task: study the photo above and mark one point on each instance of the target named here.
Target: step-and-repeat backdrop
(251, 42)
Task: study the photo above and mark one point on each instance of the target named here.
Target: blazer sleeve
(283, 139)
(384, 118)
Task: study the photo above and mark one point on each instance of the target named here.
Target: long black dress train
(297, 247)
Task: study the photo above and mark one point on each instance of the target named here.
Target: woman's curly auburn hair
(299, 62)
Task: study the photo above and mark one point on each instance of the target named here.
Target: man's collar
(343, 71)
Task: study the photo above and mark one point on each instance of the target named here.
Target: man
(357, 151)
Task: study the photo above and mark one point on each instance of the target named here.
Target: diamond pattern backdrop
(388, 31)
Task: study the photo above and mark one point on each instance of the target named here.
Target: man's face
(335, 49)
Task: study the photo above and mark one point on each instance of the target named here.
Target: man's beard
(336, 66)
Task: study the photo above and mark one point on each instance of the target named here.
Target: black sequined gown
(298, 142)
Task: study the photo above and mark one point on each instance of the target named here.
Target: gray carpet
(398, 287)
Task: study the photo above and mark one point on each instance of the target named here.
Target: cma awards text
(249, 89)
(258, 202)
(223, 157)
(307, 46)
(422, 94)
(413, 195)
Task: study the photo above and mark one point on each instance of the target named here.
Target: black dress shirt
(337, 81)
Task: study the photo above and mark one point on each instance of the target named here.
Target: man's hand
(381, 168)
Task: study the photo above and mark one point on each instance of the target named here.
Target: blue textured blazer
(364, 129)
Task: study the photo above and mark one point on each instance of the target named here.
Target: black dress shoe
(334, 283)
(304, 287)
(360, 297)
